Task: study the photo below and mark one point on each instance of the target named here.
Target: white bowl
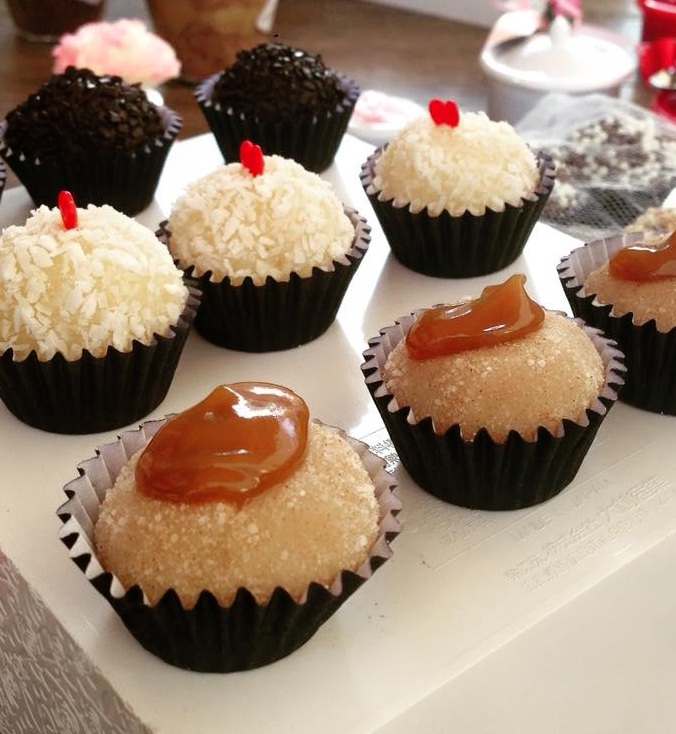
(521, 69)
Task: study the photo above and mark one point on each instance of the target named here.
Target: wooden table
(408, 54)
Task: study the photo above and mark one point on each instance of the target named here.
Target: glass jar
(207, 35)
(46, 20)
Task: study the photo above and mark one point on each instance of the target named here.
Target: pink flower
(124, 48)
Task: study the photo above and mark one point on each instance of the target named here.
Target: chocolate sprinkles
(78, 111)
(277, 81)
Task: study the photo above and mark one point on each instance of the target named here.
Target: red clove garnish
(251, 156)
(68, 209)
(444, 113)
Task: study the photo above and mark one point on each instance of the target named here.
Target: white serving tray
(557, 618)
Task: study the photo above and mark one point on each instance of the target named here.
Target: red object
(251, 157)
(659, 18)
(444, 113)
(656, 55)
(664, 104)
(68, 209)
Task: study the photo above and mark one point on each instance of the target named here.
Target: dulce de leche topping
(643, 263)
(501, 314)
(237, 442)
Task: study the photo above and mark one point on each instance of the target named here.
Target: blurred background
(381, 44)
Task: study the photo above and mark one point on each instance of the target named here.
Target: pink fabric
(124, 48)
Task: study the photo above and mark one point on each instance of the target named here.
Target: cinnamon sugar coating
(321, 520)
(648, 300)
(553, 373)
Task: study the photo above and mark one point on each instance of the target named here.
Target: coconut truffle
(477, 165)
(555, 372)
(236, 225)
(654, 299)
(106, 282)
(319, 521)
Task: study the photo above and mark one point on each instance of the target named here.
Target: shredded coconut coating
(552, 373)
(234, 224)
(319, 521)
(103, 283)
(646, 301)
(478, 165)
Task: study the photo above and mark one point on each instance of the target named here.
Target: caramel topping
(643, 263)
(237, 442)
(501, 314)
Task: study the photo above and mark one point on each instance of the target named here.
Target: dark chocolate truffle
(79, 111)
(274, 80)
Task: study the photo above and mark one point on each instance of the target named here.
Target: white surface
(558, 618)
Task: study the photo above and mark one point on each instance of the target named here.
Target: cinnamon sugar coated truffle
(647, 300)
(320, 520)
(235, 224)
(477, 165)
(555, 372)
(106, 282)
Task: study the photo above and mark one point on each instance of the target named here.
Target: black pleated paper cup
(210, 637)
(3, 178)
(126, 180)
(650, 354)
(276, 315)
(94, 394)
(312, 142)
(482, 473)
(465, 246)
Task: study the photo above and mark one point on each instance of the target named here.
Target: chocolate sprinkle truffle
(274, 80)
(78, 112)
(282, 98)
(95, 136)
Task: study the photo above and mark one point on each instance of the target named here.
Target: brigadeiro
(282, 98)
(95, 136)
